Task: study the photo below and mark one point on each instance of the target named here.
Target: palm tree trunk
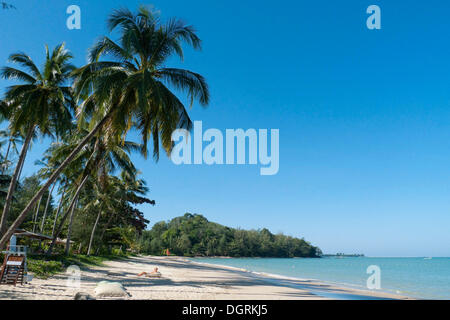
(6, 156)
(46, 208)
(36, 215)
(51, 180)
(91, 240)
(58, 231)
(57, 210)
(20, 171)
(12, 187)
(104, 231)
(106, 226)
(69, 231)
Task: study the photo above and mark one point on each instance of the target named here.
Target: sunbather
(154, 274)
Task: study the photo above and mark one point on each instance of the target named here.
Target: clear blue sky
(364, 116)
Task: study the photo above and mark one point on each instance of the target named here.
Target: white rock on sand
(181, 279)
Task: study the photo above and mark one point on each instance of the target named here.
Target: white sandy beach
(183, 279)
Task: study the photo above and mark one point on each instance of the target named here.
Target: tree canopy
(194, 235)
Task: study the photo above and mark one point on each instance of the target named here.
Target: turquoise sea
(426, 278)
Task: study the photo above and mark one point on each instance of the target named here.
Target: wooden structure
(13, 269)
(20, 233)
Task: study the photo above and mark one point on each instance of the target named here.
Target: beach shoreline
(184, 279)
(301, 283)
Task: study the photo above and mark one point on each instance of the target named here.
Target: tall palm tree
(49, 163)
(42, 104)
(138, 78)
(133, 89)
(75, 177)
(78, 188)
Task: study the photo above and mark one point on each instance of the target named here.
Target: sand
(183, 279)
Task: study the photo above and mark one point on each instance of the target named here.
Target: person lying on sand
(154, 274)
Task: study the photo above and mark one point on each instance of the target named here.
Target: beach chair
(13, 270)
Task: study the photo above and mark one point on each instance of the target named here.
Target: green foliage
(44, 269)
(194, 235)
(120, 223)
(45, 266)
(25, 191)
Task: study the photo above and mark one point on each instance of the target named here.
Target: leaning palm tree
(133, 89)
(134, 83)
(107, 156)
(51, 161)
(48, 166)
(99, 158)
(42, 104)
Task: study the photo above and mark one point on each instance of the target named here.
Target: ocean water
(414, 277)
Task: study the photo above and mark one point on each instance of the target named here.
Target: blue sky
(363, 115)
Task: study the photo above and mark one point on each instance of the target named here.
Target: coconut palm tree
(78, 188)
(131, 190)
(108, 156)
(133, 90)
(49, 163)
(101, 157)
(114, 198)
(138, 78)
(43, 172)
(42, 104)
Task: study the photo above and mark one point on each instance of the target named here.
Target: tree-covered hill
(194, 235)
